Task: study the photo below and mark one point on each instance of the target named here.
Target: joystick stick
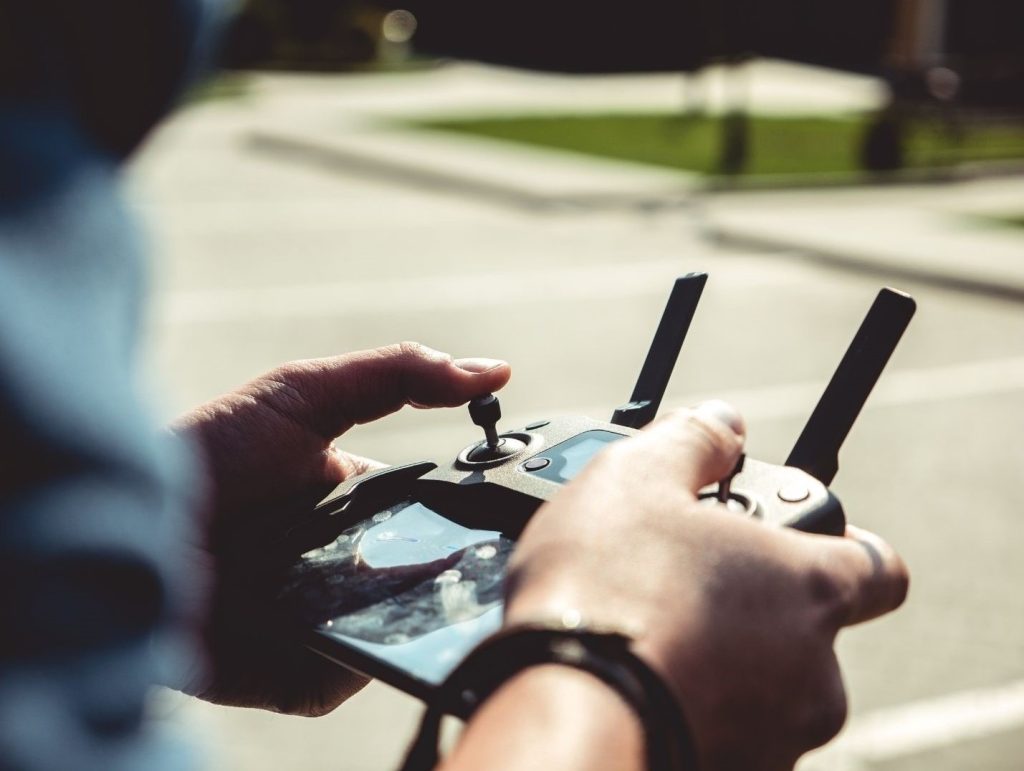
(724, 494)
(724, 486)
(485, 411)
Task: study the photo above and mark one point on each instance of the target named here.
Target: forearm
(551, 717)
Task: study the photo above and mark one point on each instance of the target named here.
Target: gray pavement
(269, 253)
(934, 233)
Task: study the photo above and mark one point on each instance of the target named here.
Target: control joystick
(724, 487)
(724, 494)
(485, 411)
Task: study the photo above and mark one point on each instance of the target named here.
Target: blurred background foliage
(319, 36)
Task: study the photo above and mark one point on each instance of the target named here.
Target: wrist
(551, 716)
(601, 654)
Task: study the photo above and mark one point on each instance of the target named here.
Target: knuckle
(825, 719)
(288, 379)
(828, 591)
(296, 380)
(290, 370)
(288, 391)
(410, 349)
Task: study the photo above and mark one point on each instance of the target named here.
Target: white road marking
(921, 726)
(896, 388)
(615, 280)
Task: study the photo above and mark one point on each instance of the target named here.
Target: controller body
(404, 570)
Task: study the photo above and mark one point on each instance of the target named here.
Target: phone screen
(406, 586)
(412, 589)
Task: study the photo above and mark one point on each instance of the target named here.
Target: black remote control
(402, 571)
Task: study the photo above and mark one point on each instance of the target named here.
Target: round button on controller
(537, 424)
(794, 493)
(536, 464)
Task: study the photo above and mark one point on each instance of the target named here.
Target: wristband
(604, 654)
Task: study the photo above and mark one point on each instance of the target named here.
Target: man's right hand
(740, 618)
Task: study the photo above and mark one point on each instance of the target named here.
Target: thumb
(333, 394)
(694, 447)
(869, 577)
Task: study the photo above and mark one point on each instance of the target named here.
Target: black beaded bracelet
(604, 654)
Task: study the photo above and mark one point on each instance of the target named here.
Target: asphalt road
(261, 260)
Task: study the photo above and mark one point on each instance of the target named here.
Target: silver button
(794, 493)
(536, 464)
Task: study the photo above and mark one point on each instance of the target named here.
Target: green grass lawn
(778, 145)
(1011, 221)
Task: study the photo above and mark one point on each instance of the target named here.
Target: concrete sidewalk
(351, 125)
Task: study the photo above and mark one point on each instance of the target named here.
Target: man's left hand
(269, 455)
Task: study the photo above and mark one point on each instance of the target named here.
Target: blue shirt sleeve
(93, 505)
(95, 577)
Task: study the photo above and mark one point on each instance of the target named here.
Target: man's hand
(739, 617)
(269, 455)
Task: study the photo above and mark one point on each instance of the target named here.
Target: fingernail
(724, 413)
(478, 366)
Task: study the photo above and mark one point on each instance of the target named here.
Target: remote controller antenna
(817, 449)
(661, 358)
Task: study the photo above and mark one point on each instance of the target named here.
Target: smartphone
(403, 595)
